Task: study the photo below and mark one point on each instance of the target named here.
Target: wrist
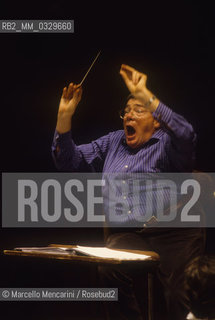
(144, 95)
(149, 100)
(63, 123)
(62, 114)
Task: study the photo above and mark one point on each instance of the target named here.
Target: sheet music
(50, 250)
(101, 252)
(104, 252)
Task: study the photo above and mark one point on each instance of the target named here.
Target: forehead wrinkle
(135, 105)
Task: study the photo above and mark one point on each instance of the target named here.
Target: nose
(130, 114)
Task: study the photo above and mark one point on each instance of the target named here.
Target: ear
(156, 124)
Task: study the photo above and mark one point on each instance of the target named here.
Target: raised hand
(70, 98)
(136, 84)
(134, 80)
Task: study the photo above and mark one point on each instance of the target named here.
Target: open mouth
(130, 131)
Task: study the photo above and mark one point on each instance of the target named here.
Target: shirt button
(126, 166)
(129, 211)
(124, 182)
(124, 197)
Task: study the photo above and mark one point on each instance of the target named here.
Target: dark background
(172, 43)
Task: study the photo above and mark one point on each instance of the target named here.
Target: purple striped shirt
(170, 149)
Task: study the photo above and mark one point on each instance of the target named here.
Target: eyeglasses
(137, 111)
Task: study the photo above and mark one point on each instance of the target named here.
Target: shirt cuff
(162, 113)
(63, 138)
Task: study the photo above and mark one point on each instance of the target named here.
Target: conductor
(154, 139)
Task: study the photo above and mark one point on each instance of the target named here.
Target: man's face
(139, 124)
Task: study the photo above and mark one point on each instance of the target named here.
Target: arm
(182, 136)
(136, 84)
(87, 157)
(67, 156)
(70, 98)
(174, 124)
(179, 129)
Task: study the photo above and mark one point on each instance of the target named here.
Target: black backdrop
(173, 44)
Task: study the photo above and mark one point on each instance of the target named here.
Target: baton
(80, 84)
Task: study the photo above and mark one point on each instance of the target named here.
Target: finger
(138, 77)
(70, 90)
(80, 89)
(128, 68)
(127, 81)
(125, 77)
(127, 72)
(78, 93)
(77, 85)
(135, 77)
(143, 79)
(64, 93)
